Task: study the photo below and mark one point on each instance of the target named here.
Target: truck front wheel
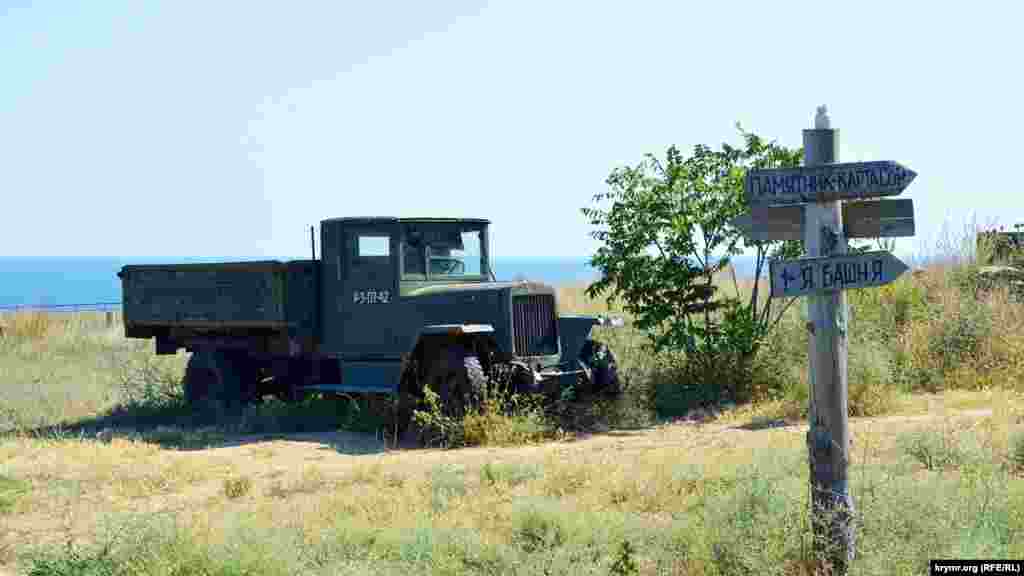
(604, 369)
(458, 378)
(214, 379)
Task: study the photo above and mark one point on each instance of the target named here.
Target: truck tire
(603, 368)
(213, 379)
(458, 378)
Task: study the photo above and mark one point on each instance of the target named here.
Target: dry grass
(725, 497)
(689, 499)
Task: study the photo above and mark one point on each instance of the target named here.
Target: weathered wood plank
(879, 219)
(869, 219)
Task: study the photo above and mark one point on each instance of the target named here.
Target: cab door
(366, 301)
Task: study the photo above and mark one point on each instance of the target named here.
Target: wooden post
(828, 438)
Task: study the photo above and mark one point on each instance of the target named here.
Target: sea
(75, 283)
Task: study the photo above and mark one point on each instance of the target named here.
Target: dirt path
(122, 476)
(340, 451)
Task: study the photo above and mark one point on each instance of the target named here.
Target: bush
(625, 564)
(781, 362)
(944, 449)
(505, 420)
(235, 488)
(446, 484)
(666, 234)
(538, 528)
(888, 310)
(507, 473)
(436, 428)
(954, 339)
(76, 562)
(680, 385)
(869, 379)
(959, 335)
(149, 381)
(674, 393)
(1017, 451)
(501, 420)
(11, 490)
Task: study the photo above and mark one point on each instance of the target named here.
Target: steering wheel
(450, 266)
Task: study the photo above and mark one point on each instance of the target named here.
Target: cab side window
(372, 249)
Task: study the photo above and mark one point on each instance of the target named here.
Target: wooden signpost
(806, 204)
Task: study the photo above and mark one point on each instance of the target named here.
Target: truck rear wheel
(214, 379)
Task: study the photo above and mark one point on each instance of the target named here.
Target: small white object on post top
(821, 119)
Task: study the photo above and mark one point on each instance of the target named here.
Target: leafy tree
(667, 234)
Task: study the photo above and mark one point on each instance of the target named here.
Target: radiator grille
(534, 324)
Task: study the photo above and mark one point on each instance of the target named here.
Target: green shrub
(538, 528)
(869, 379)
(961, 334)
(680, 385)
(625, 564)
(435, 426)
(446, 484)
(149, 381)
(235, 488)
(505, 420)
(11, 490)
(76, 562)
(796, 399)
(780, 361)
(942, 449)
(905, 302)
(1017, 451)
(966, 279)
(508, 473)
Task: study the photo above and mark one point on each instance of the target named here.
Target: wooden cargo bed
(263, 295)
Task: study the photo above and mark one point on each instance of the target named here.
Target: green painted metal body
(381, 286)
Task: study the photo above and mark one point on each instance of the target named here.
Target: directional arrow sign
(826, 183)
(871, 219)
(810, 275)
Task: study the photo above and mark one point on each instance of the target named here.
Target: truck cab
(376, 267)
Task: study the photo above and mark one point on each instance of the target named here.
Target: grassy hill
(103, 472)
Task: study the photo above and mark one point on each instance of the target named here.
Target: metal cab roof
(393, 219)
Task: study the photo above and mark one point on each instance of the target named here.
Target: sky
(192, 128)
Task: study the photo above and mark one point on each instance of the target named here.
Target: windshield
(442, 251)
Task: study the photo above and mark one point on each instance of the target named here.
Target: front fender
(574, 329)
(449, 330)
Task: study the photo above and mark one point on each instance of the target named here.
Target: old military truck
(391, 305)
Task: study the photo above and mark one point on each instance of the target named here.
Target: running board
(348, 389)
(360, 376)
